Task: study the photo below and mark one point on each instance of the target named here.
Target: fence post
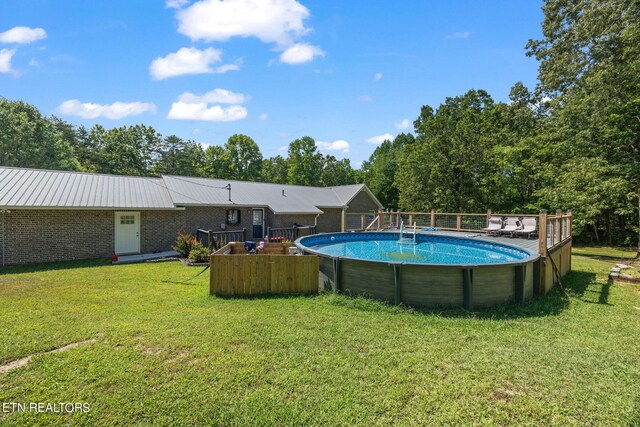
(343, 226)
(542, 232)
(559, 222)
(458, 222)
(362, 222)
(433, 217)
(488, 216)
(410, 220)
(268, 234)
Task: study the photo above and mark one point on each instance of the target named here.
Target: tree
(446, 168)
(27, 139)
(590, 68)
(336, 172)
(379, 172)
(305, 163)
(216, 162)
(179, 157)
(244, 157)
(275, 170)
(132, 150)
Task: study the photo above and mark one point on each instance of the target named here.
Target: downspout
(4, 213)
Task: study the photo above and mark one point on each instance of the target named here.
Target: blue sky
(342, 72)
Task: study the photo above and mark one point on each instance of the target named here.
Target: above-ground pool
(432, 271)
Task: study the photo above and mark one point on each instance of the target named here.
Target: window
(127, 219)
(233, 216)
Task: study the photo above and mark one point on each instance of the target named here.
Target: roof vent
(283, 192)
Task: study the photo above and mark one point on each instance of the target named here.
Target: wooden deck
(529, 245)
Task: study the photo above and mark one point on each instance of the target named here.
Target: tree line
(572, 142)
(29, 139)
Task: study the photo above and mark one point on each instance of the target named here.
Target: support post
(433, 217)
(467, 289)
(519, 284)
(362, 222)
(268, 234)
(397, 285)
(410, 220)
(488, 216)
(537, 277)
(542, 233)
(458, 222)
(337, 274)
(343, 226)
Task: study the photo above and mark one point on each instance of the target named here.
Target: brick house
(55, 216)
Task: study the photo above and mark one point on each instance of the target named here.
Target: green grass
(605, 252)
(166, 353)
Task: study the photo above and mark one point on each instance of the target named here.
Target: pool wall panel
(493, 285)
(370, 279)
(431, 286)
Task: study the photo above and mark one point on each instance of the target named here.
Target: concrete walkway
(129, 259)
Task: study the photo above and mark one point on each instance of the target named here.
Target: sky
(347, 73)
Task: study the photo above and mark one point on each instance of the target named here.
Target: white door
(127, 239)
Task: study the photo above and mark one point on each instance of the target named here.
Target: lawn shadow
(51, 266)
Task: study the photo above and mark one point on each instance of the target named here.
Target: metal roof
(186, 191)
(35, 188)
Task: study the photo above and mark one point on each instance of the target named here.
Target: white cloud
(200, 111)
(23, 35)
(197, 131)
(458, 35)
(117, 110)
(300, 53)
(377, 77)
(5, 60)
(283, 148)
(189, 60)
(34, 62)
(379, 139)
(196, 107)
(262, 117)
(403, 124)
(175, 4)
(216, 96)
(338, 145)
(271, 21)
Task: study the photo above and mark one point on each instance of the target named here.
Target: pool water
(427, 250)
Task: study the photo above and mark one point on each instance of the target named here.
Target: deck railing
(289, 233)
(557, 227)
(216, 239)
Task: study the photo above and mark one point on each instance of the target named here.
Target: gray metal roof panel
(22, 188)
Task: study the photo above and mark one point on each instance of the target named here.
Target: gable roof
(35, 188)
(38, 188)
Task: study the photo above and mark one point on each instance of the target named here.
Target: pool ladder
(407, 240)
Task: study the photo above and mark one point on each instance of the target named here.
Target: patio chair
(512, 225)
(495, 225)
(529, 227)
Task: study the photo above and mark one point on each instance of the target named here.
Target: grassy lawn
(167, 353)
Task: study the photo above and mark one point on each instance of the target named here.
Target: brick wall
(32, 236)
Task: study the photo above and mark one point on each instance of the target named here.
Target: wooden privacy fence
(272, 271)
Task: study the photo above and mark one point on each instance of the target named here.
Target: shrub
(184, 243)
(199, 253)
